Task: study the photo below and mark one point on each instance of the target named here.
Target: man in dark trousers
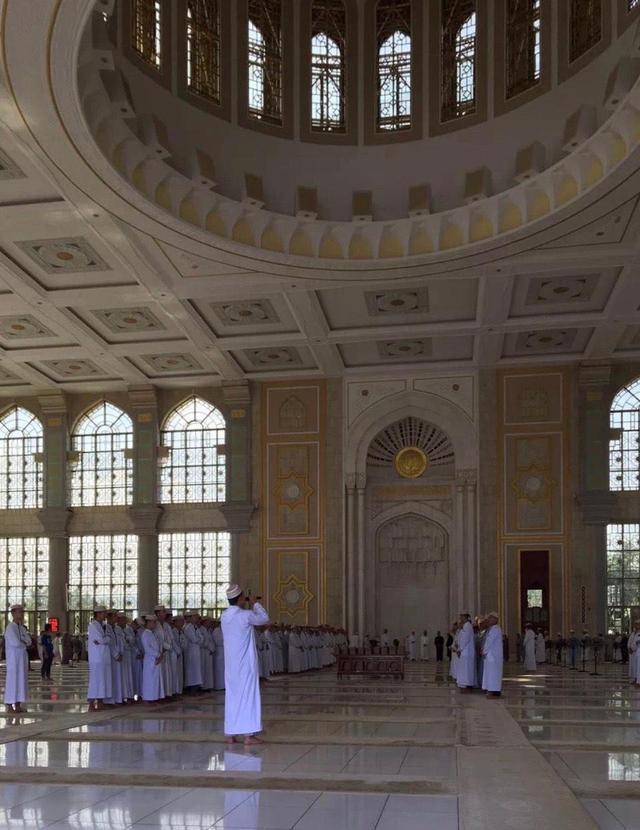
(438, 642)
(46, 643)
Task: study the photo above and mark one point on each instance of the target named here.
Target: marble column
(472, 599)
(360, 494)
(55, 515)
(144, 512)
(459, 576)
(351, 557)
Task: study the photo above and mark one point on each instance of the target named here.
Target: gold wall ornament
(411, 462)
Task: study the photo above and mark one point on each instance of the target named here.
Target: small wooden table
(389, 665)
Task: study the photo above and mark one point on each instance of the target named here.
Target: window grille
(102, 473)
(20, 460)
(624, 443)
(585, 26)
(631, 4)
(328, 65)
(523, 43)
(102, 570)
(458, 58)
(146, 30)
(24, 578)
(204, 48)
(194, 434)
(194, 570)
(623, 574)
(265, 60)
(393, 41)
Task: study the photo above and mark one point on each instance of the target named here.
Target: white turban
(233, 591)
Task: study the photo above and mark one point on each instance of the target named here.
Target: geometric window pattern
(146, 30)
(523, 45)
(624, 442)
(458, 56)
(20, 460)
(203, 48)
(103, 474)
(328, 67)
(195, 470)
(102, 570)
(585, 26)
(194, 571)
(264, 35)
(393, 29)
(24, 578)
(623, 574)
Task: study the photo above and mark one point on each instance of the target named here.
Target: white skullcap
(494, 614)
(99, 608)
(233, 591)
(159, 608)
(17, 606)
(150, 617)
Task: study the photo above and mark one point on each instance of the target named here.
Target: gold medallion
(411, 462)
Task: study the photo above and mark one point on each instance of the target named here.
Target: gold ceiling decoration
(411, 462)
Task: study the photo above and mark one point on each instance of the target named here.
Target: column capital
(142, 398)
(145, 519)
(52, 403)
(55, 521)
(236, 392)
(238, 516)
(598, 506)
(592, 375)
(468, 476)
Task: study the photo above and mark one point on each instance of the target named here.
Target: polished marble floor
(361, 754)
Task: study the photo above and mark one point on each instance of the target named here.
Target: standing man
(466, 668)
(99, 649)
(218, 668)
(439, 644)
(633, 645)
(411, 646)
(17, 641)
(384, 641)
(153, 689)
(242, 708)
(529, 648)
(47, 651)
(493, 654)
(165, 640)
(192, 659)
(424, 646)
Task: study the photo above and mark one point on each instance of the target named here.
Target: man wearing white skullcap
(16, 642)
(242, 708)
(99, 640)
(466, 669)
(493, 657)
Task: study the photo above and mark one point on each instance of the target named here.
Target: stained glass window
(194, 570)
(101, 473)
(393, 35)
(20, 460)
(265, 58)
(203, 48)
(624, 442)
(523, 45)
(195, 470)
(623, 574)
(585, 26)
(146, 30)
(328, 68)
(458, 56)
(24, 578)
(104, 570)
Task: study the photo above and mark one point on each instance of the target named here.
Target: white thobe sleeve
(12, 637)
(258, 615)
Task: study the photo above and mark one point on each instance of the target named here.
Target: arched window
(624, 443)
(458, 56)
(585, 26)
(195, 470)
(24, 578)
(203, 48)
(328, 68)
(523, 45)
(393, 28)
(102, 466)
(20, 460)
(194, 570)
(265, 57)
(102, 569)
(623, 575)
(146, 30)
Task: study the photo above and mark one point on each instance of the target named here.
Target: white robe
(129, 656)
(116, 648)
(411, 646)
(294, 660)
(242, 710)
(193, 662)
(207, 649)
(385, 640)
(453, 668)
(633, 644)
(424, 647)
(493, 660)
(541, 649)
(179, 647)
(162, 633)
(99, 649)
(152, 674)
(466, 668)
(16, 643)
(218, 666)
(138, 662)
(529, 649)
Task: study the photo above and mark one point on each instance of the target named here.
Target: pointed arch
(21, 467)
(393, 55)
(624, 444)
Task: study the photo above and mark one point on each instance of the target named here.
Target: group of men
(477, 656)
(289, 649)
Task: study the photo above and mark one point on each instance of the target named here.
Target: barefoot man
(242, 710)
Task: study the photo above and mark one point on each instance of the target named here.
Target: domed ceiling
(148, 237)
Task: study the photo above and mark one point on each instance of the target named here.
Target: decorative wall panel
(293, 500)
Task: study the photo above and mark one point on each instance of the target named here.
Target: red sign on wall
(54, 622)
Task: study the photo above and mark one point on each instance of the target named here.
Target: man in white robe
(295, 652)
(541, 649)
(242, 708)
(165, 639)
(218, 666)
(179, 647)
(99, 651)
(207, 649)
(152, 675)
(116, 647)
(128, 656)
(529, 648)
(424, 645)
(466, 668)
(17, 641)
(492, 652)
(411, 646)
(633, 646)
(193, 662)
